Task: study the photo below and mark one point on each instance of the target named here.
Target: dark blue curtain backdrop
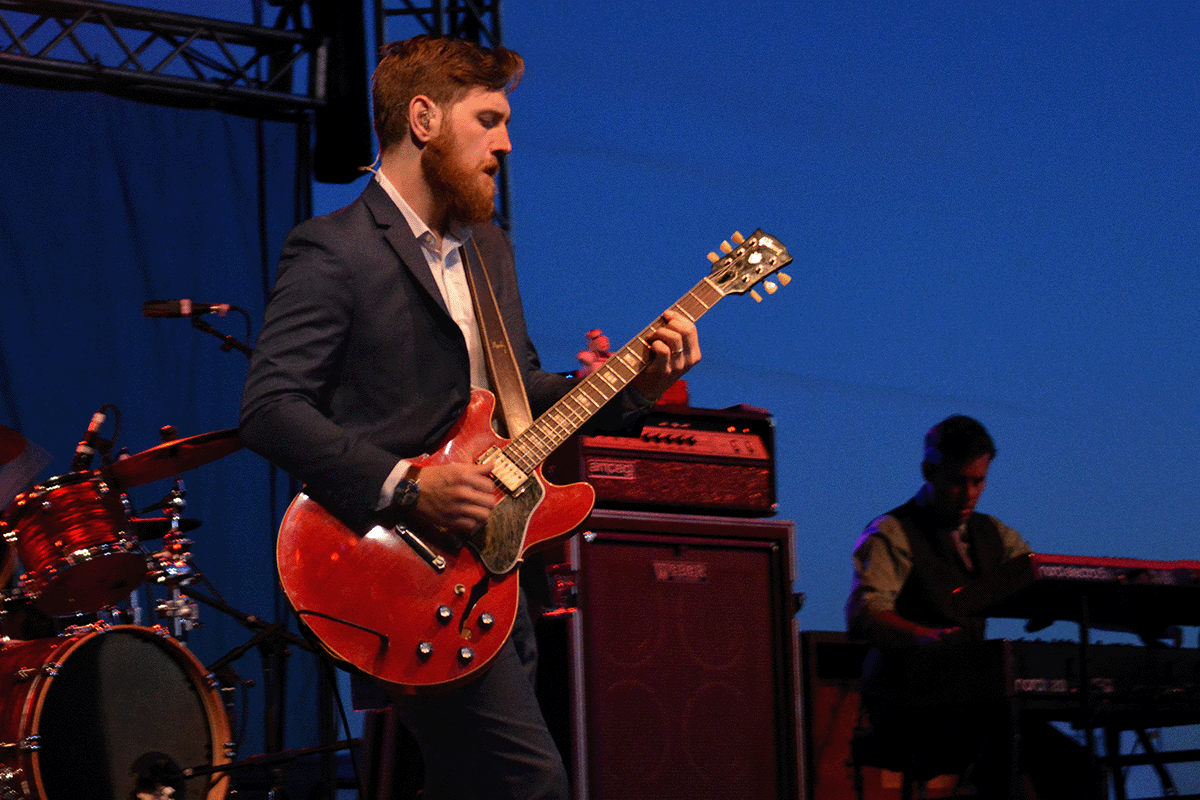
(104, 204)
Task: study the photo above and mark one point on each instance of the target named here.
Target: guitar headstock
(751, 261)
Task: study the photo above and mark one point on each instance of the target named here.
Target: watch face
(406, 493)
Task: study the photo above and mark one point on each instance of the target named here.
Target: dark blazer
(359, 363)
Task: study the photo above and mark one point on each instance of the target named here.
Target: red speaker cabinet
(684, 659)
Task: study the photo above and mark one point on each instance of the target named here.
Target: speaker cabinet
(683, 659)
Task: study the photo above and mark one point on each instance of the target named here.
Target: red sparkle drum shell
(70, 534)
(82, 710)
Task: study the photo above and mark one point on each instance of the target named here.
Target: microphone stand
(228, 342)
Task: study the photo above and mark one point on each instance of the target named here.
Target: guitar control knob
(444, 614)
(466, 655)
(425, 650)
(486, 621)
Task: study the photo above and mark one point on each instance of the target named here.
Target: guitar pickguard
(502, 540)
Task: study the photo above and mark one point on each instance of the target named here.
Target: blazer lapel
(395, 231)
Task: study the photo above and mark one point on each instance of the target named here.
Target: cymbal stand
(272, 641)
(175, 569)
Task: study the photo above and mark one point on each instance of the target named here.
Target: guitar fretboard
(580, 404)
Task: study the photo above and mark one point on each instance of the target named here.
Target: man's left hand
(676, 349)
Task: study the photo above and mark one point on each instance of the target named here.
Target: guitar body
(376, 603)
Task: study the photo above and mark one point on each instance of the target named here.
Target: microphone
(91, 444)
(182, 308)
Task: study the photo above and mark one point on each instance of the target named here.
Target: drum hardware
(146, 528)
(270, 759)
(50, 668)
(80, 533)
(20, 462)
(174, 567)
(183, 613)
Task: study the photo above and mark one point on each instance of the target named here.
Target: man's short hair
(957, 440)
(444, 68)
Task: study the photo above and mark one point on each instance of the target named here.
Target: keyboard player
(906, 565)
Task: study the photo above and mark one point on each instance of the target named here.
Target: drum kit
(93, 703)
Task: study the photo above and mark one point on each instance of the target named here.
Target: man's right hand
(926, 636)
(455, 498)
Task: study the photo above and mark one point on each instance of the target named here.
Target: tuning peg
(757, 297)
(726, 248)
(713, 257)
(784, 278)
(770, 287)
(737, 237)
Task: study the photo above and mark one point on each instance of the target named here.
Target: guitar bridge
(510, 476)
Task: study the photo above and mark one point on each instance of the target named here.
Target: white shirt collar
(455, 237)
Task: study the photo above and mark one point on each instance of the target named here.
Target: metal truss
(474, 20)
(161, 57)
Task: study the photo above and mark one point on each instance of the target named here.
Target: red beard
(469, 199)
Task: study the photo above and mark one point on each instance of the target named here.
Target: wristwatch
(407, 491)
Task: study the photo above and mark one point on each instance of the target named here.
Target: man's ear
(928, 470)
(424, 119)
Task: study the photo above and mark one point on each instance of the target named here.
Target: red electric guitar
(396, 605)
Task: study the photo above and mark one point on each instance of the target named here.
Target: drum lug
(50, 669)
(11, 535)
(31, 743)
(99, 626)
(8, 778)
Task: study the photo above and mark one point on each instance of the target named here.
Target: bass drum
(106, 713)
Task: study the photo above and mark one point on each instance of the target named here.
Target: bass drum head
(129, 705)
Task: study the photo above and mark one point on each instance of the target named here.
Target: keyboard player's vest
(937, 569)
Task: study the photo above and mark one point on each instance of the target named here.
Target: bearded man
(368, 354)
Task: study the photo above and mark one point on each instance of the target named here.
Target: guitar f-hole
(477, 593)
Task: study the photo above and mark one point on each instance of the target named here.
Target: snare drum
(71, 535)
(86, 714)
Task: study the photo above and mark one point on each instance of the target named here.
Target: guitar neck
(587, 397)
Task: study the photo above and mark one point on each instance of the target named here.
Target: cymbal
(172, 458)
(12, 444)
(157, 527)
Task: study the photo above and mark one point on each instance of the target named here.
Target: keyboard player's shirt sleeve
(882, 561)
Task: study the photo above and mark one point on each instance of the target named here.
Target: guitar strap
(501, 362)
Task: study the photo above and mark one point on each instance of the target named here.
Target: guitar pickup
(509, 475)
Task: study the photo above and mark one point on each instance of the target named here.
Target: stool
(867, 749)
